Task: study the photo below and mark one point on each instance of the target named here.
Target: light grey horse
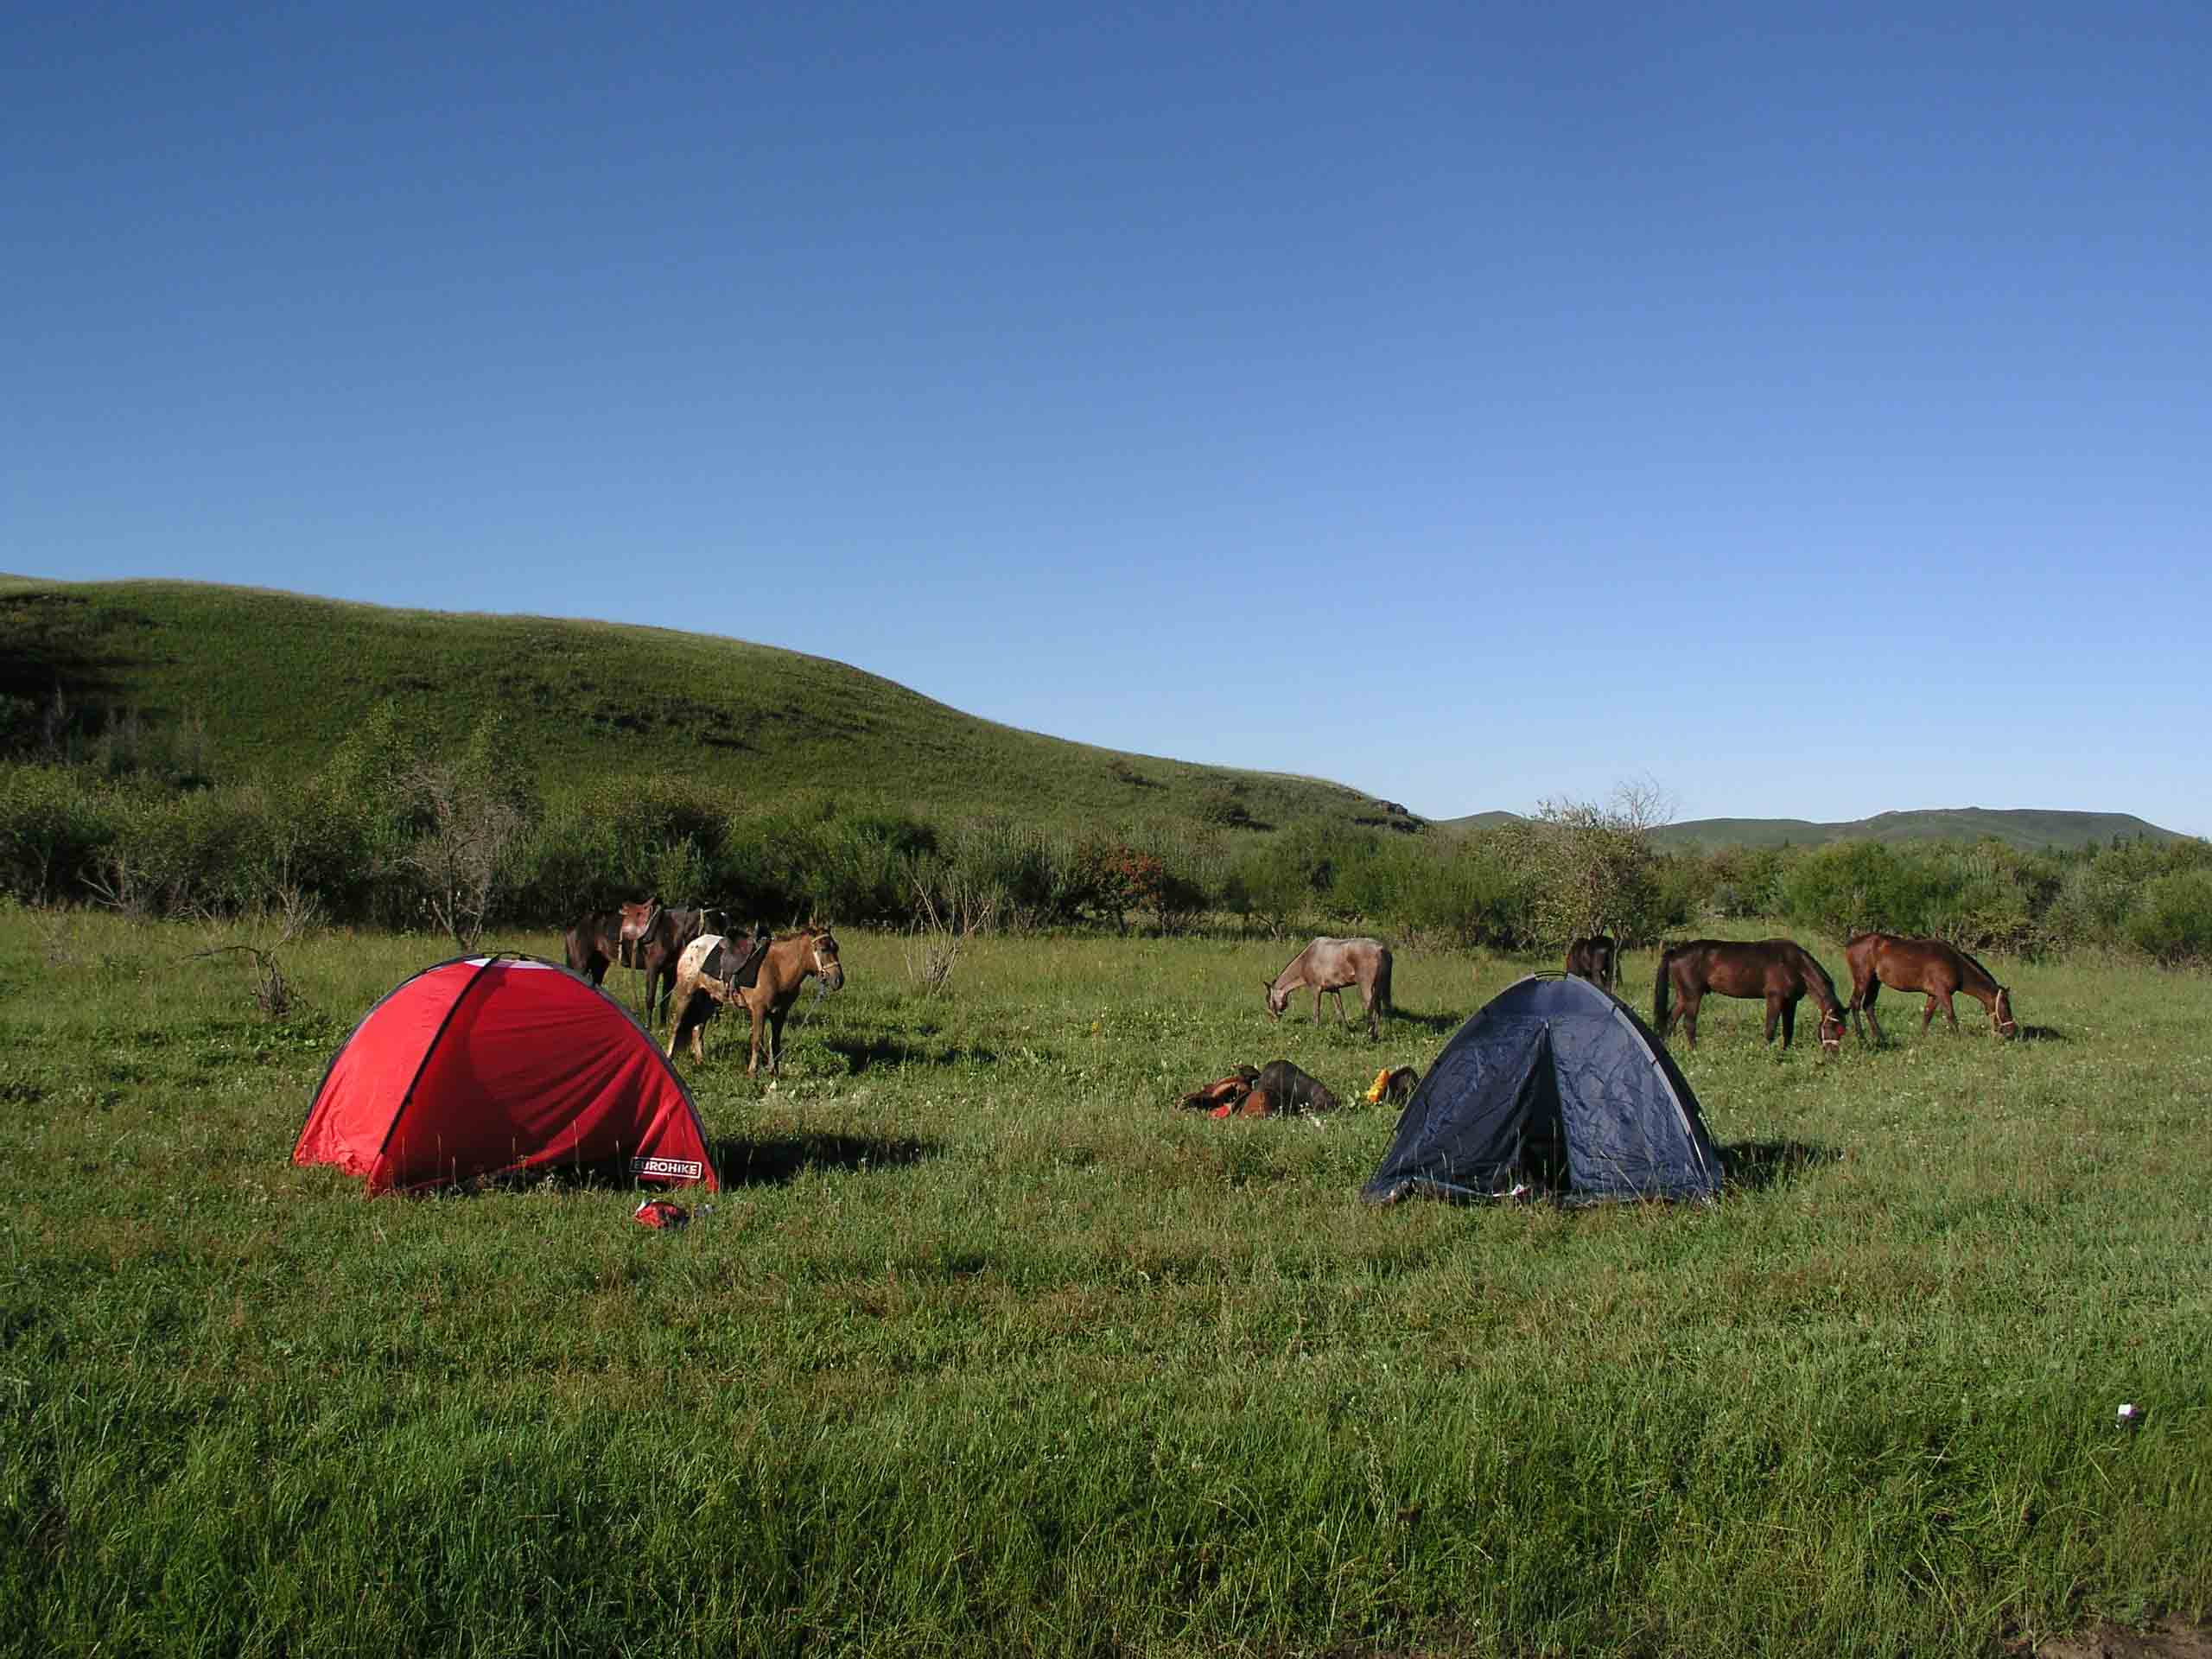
(1330, 965)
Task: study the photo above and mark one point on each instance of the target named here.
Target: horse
(1928, 966)
(1780, 970)
(648, 936)
(785, 966)
(1596, 959)
(1330, 965)
(712, 970)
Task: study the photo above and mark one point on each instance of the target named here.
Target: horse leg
(752, 1057)
(1336, 996)
(1687, 1016)
(1874, 991)
(1927, 1013)
(1788, 1021)
(660, 981)
(1776, 1009)
(776, 1042)
(1949, 1013)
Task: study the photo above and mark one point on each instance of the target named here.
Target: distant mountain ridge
(2026, 828)
(2030, 828)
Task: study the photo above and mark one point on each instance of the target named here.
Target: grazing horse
(647, 937)
(1928, 966)
(1330, 965)
(1596, 959)
(1780, 970)
(785, 966)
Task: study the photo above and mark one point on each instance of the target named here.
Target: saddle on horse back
(638, 924)
(742, 959)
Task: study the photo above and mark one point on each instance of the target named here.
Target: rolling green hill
(276, 680)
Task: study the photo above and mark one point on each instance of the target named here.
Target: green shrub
(2171, 918)
(54, 828)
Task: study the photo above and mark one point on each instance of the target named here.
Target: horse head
(1831, 1031)
(2000, 1013)
(822, 951)
(1277, 1001)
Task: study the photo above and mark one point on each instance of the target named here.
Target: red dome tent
(491, 1065)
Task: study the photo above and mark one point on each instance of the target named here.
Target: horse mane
(1821, 972)
(1975, 965)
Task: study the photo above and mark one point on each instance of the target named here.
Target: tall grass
(987, 1347)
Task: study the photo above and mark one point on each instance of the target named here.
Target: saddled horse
(1329, 965)
(648, 936)
(709, 976)
(785, 966)
(1935, 969)
(1779, 970)
(1596, 958)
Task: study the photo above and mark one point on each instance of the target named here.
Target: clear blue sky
(1809, 408)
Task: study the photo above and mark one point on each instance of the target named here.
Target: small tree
(478, 808)
(1116, 879)
(1596, 865)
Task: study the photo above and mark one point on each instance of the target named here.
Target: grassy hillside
(2030, 829)
(276, 679)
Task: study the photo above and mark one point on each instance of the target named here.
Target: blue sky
(1806, 410)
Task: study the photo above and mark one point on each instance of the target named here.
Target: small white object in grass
(2130, 1415)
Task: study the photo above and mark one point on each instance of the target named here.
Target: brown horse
(784, 968)
(646, 936)
(710, 975)
(1596, 959)
(1928, 966)
(1330, 965)
(1780, 970)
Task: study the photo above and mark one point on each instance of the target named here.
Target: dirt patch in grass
(2168, 1639)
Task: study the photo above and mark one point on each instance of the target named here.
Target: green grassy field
(986, 1348)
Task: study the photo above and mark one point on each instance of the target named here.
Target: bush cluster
(385, 834)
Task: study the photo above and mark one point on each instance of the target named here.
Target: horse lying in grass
(1779, 970)
(1934, 969)
(1330, 965)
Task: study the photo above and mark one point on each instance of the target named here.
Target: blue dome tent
(1552, 1086)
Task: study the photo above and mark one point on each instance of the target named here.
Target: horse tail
(1659, 987)
(1382, 980)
